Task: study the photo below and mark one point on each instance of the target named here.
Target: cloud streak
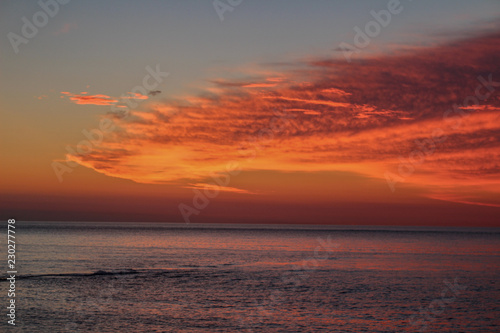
(100, 99)
(65, 29)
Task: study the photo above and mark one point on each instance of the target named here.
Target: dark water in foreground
(86, 277)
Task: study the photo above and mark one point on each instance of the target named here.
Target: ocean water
(136, 277)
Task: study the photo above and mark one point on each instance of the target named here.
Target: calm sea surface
(126, 277)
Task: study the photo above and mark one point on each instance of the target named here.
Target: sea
(153, 277)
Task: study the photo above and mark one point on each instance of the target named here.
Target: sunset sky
(256, 113)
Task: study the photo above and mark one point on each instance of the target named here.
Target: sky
(239, 111)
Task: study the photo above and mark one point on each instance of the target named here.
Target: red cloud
(90, 99)
(361, 117)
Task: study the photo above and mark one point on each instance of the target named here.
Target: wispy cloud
(83, 98)
(358, 117)
(136, 96)
(100, 99)
(66, 28)
(203, 186)
(154, 92)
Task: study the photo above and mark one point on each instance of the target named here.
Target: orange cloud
(101, 99)
(90, 99)
(368, 117)
(212, 187)
(336, 91)
(260, 85)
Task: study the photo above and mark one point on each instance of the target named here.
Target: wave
(96, 273)
(183, 271)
